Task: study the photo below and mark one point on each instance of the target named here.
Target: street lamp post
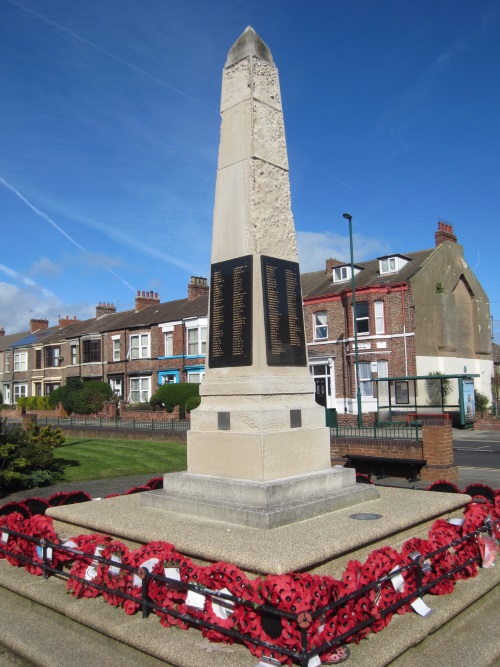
(348, 217)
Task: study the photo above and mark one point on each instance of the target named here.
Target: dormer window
(392, 264)
(341, 273)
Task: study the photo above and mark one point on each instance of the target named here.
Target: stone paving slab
(297, 546)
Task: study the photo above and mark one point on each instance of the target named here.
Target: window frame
(143, 350)
(379, 316)
(144, 395)
(7, 362)
(20, 362)
(365, 383)
(363, 318)
(24, 394)
(51, 356)
(337, 273)
(93, 355)
(196, 347)
(116, 349)
(169, 343)
(317, 325)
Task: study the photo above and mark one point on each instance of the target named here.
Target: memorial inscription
(230, 330)
(283, 315)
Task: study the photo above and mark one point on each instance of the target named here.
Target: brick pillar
(437, 449)
(110, 409)
(28, 419)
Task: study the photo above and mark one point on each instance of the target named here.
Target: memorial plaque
(283, 314)
(230, 330)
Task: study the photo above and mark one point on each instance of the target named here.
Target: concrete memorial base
(255, 504)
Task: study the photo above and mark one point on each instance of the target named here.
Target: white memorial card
(172, 573)
(315, 661)
(113, 569)
(196, 600)
(397, 580)
(456, 521)
(5, 537)
(420, 607)
(148, 565)
(222, 608)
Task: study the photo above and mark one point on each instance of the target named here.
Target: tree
(170, 395)
(437, 389)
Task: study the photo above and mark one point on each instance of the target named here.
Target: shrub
(481, 401)
(170, 395)
(27, 457)
(192, 403)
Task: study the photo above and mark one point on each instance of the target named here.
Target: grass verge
(92, 458)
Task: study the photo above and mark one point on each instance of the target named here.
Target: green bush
(192, 403)
(171, 395)
(481, 402)
(27, 457)
(84, 398)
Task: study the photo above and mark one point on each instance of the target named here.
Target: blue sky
(109, 132)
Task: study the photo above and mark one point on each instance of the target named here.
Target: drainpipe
(404, 329)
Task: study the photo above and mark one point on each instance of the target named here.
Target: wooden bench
(380, 465)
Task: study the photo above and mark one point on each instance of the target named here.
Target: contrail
(27, 281)
(110, 55)
(45, 217)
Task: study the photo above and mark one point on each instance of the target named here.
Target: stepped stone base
(464, 621)
(260, 504)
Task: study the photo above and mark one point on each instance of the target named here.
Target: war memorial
(259, 493)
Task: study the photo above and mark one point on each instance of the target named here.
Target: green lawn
(91, 458)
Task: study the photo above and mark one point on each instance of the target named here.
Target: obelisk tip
(248, 44)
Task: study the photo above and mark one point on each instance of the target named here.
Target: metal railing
(418, 581)
(167, 425)
(384, 432)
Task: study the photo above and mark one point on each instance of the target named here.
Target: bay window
(140, 390)
(20, 361)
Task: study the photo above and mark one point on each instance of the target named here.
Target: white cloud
(314, 248)
(46, 267)
(18, 306)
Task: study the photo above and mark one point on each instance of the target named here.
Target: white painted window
(195, 376)
(74, 357)
(20, 361)
(140, 390)
(382, 368)
(20, 391)
(320, 326)
(7, 362)
(169, 343)
(169, 379)
(139, 346)
(197, 340)
(379, 317)
(341, 273)
(391, 264)
(116, 349)
(365, 378)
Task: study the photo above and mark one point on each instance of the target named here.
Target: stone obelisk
(258, 449)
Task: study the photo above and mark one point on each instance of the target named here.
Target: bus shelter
(409, 399)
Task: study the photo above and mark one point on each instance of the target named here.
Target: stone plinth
(260, 504)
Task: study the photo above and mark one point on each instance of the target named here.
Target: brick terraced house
(135, 351)
(416, 313)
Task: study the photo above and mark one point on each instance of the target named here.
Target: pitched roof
(35, 337)
(320, 283)
(10, 339)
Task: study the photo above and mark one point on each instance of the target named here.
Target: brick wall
(395, 449)
(487, 423)
(437, 444)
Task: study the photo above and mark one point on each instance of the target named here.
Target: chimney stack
(38, 325)
(331, 262)
(196, 287)
(444, 233)
(144, 299)
(105, 309)
(2, 332)
(64, 321)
